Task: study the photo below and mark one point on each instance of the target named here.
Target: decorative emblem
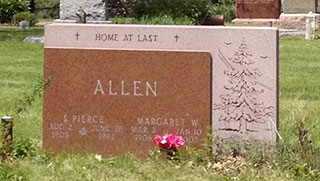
(83, 131)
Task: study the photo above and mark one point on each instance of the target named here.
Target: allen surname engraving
(122, 88)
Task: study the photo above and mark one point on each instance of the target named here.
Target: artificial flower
(169, 141)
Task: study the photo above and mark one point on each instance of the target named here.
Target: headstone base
(88, 22)
(258, 21)
(296, 21)
(291, 32)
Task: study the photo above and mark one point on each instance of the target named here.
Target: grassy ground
(21, 66)
(299, 86)
(295, 159)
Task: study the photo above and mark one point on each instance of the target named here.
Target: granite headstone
(95, 9)
(113, 87)
(299, 6)
(121, 99)
(257, 9)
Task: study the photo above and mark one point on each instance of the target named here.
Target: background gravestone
(257, 8)
(94, 8)
(299, 6)
(295, 11)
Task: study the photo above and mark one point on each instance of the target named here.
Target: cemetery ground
(297, 156)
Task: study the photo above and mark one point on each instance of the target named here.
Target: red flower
(177, 141)
(169, 141)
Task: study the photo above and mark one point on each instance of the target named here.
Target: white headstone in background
(95, 9)
(310, 26)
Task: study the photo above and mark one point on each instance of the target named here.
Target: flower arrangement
(169, 141)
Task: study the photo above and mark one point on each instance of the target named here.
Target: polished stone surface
(111, 102)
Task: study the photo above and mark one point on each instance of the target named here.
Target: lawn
(20, 72)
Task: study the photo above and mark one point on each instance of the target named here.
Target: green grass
(21, 67)
(299, 85)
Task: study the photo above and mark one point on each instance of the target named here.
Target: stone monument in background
(299, 6)
(257, 8)
(295, 12)
(257, 11)
(98, 11)
(95, 9)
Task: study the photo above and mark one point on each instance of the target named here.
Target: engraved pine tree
(241, 102)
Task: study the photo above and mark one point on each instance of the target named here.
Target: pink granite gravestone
(105, 78)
